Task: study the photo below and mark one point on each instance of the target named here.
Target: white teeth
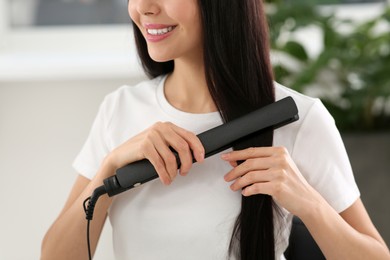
(159, 31)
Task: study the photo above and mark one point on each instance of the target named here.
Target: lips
(158, 32)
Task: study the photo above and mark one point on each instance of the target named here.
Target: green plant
(351, 74)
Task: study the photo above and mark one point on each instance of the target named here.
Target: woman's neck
(186, 88)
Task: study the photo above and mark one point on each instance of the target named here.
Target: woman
(209, 63)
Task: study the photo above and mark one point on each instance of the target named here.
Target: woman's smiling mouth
(158, 32)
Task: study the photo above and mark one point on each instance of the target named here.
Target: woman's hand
(270, 170)
(154, 144)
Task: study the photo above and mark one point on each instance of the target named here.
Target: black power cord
(89, 207)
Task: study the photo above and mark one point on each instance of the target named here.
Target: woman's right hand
(154, 144)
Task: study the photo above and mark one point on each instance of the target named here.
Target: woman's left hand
(271, 171)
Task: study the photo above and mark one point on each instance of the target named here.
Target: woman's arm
(349, 235)
(270, 170)
(66, 238)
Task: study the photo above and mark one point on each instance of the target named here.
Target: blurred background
(59, 58)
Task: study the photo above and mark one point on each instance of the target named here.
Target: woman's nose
(147, 7)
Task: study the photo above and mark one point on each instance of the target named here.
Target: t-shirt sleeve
(96, 147)
(320, 155)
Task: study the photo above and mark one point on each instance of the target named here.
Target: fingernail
(200, 157)
(234, 164)
(169, 181)
(224, 156)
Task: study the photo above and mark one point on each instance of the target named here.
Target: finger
(251, 178)
(233, 163)
(193, 141)
(167, 156)
(183, 150)
(253, 152)
(155, 159)
(258, 188)
(247, 166)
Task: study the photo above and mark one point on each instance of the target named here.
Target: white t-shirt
(193, 217)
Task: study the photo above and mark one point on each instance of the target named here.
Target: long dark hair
(240, 80)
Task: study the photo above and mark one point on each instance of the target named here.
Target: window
(54, 39)
(27, 13)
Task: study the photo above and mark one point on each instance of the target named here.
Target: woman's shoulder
(314, 120)
(129, 97)
(306, 105)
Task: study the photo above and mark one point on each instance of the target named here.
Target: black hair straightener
(215, 140)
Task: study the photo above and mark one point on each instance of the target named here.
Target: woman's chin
(160, 59)
(159, 56)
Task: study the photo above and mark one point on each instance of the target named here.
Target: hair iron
(215, 140)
